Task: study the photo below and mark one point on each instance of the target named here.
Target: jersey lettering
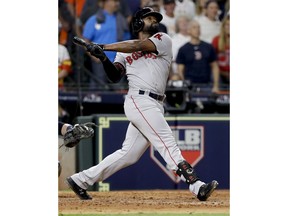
(129, 59)
(136, 55)
(158, 36)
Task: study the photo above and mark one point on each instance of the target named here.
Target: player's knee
(132, 160)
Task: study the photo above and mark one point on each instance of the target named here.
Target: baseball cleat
(80, 192)
(206, 190)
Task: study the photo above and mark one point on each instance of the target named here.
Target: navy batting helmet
(137, 21)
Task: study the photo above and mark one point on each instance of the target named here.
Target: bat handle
(80, 41)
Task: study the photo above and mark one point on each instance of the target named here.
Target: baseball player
(146, 63)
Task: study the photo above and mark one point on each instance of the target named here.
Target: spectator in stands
(227, 8)
(106, 26)
(221, 43)
(209, 24)
(185, 7)
(75, 7)
(67, 20)
(197, 61)
(91, 7)
(64, 69)
(180, 38)
(144, 3)
(169, 18)
(134, 5)
(156, 7)
(64, 65)
(223, 8)
(200, 8)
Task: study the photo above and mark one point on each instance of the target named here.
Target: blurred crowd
(200, 32)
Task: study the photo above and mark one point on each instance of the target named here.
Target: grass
(151, 214)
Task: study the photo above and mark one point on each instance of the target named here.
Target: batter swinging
(146, 63)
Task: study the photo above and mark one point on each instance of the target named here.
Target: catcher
(73, 134)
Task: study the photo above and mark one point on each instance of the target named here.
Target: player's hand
(96, 50)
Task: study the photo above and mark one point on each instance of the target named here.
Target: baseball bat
(80, 41)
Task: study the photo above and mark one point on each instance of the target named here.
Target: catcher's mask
(137, 21)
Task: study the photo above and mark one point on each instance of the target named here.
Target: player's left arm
(114, 71)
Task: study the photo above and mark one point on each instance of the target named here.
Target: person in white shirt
(200, 8)
(185, 7)
(169, 18)
(210, 24)
(180, 38)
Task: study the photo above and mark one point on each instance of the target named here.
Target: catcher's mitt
(78, 132)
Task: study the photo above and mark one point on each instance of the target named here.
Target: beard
(152, 29)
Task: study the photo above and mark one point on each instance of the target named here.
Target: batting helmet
(137, 21)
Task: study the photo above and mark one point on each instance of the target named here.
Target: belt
(154, 96)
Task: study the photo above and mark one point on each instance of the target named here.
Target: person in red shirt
(221, 43)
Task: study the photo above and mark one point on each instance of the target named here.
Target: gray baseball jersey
(149, 71)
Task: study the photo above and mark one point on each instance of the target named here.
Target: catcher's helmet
(137, 21)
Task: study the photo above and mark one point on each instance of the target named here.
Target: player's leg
(133, 148)
(148, 117)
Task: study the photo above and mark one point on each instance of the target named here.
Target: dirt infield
(148, 201)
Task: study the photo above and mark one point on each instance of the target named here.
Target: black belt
(154, 96)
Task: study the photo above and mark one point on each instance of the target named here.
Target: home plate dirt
(143, 201)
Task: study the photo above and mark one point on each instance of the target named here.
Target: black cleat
(206, 190)
(81, 193)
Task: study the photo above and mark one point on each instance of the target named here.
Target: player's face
(151, 25)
